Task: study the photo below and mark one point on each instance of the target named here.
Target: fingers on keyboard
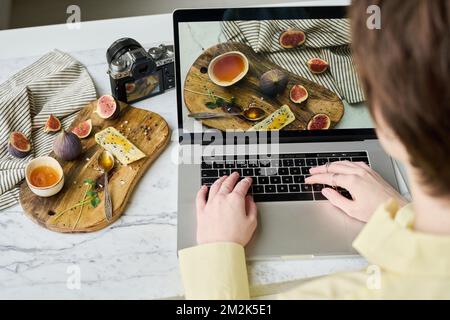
(279, 178)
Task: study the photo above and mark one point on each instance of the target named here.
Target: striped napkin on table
(55, 84)
(328, 39)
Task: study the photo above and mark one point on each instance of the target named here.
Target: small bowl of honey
(228, 68)
(44, 176)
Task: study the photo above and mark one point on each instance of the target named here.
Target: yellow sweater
(404, 264)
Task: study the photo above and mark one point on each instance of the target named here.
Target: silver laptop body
(286, 229)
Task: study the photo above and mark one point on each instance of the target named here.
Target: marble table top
(135, 258)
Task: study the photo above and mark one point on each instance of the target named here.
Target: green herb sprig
(90, 197)
(218, 102)
(92, 194)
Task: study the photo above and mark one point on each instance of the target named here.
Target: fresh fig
(319, 122)
(292, 38)
(317, 65)
(53, 124)
(273, 82)
(83, 130)
(298, 94)
(18, 145)
(67, 146)
(108, 107)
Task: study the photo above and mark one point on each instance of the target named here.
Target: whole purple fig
(67, 146)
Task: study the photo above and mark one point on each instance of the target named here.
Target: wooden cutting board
(246, 91)
(122, 179)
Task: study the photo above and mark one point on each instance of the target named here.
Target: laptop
(222, 57)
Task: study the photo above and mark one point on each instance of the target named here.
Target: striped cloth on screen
(55, 84)
(327, 39)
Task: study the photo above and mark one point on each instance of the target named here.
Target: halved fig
(292, 38)
(18, 145)
(317, 65)
(83, 130)
(298, 93)
(319, 122)
(53, 124)
(108, 107)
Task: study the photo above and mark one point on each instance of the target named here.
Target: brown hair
(404, 68)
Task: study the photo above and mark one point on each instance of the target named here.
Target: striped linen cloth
(55, 84)
(328, 39)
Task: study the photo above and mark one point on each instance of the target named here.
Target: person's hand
(367, 188)
(229, 214)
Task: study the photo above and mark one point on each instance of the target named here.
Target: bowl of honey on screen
(44, 176)
(228, 68)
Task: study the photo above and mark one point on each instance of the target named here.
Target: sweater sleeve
(214, 271)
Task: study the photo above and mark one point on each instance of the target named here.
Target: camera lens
(119, 47)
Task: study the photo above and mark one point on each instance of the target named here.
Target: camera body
(136, 74)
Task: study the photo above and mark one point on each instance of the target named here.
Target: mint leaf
(91, 193)
(220, 102)
(95, 202)
(211, 105)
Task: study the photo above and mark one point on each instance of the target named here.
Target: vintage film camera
(136, 74)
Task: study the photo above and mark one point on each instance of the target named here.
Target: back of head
(405, 70)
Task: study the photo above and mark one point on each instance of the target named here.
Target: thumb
(337, 199)
(250, 207)
(201, 199)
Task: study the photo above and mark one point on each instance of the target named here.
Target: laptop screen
(289, 70)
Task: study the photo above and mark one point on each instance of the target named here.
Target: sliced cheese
(276, 121)
(121, 148)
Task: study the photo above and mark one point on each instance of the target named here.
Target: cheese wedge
(276, 121)
(121, 148)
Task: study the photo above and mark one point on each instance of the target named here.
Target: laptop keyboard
(278, 178)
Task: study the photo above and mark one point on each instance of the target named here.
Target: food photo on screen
(265, 75)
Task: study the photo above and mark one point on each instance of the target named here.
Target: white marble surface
(135, 258)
